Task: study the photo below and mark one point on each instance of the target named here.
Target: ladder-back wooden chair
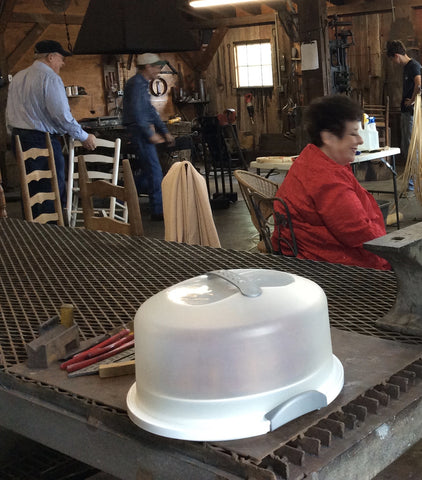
(381, 113)
(102, 164)
(102, 189)
(30, 199)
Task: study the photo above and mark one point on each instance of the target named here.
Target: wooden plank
(188, 58)
(206, 57)
(30, 38)
(117, 369)
(238, 21)
(6, 14)
(248, 9)
(316, 83)
(374, 57)
(20, 17)
(365, 7)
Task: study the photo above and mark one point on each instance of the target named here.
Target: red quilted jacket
(332, 214)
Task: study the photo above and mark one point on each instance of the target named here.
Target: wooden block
(117, 369)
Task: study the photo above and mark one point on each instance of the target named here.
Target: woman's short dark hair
(330, 114)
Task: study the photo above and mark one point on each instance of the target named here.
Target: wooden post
(313, 25)
(3, 100)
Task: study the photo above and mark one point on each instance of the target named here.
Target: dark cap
(51, 46)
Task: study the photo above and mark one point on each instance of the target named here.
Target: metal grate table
(107, 277)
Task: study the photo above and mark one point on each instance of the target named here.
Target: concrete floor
(237, 232)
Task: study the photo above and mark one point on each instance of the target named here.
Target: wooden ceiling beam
(247, 21)
(6, 13)
(248, 9)
(289, 19)
(207, 55)
(31, 37)
(50, 18)
(365, 7)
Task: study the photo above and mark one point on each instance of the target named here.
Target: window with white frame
(253, 64)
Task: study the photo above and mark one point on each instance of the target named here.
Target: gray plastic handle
(295, 407)
(245, 286)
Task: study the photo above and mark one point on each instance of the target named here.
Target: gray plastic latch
(295, 407)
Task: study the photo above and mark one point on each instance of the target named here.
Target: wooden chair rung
(104, 189)
(101, 164)
(381, 113)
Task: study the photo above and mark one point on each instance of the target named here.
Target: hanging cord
(69, 44)
(393, 10)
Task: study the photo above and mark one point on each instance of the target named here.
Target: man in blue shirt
(396, 51)
(37, 103)
(146, 129)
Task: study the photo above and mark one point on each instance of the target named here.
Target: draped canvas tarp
(187, 211)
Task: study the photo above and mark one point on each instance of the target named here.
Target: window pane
(267, 75)
(266, 53)
(255, 76)
(242, 55)
(243, 77)
(254, 54)
(254, 64)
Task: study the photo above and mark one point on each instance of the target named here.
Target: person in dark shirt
(396, 51)
(146, 129)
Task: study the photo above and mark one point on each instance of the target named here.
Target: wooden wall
(269, 102)
(373, 77)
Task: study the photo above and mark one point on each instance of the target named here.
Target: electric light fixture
(217, 3)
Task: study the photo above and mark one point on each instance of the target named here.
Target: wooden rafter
(46, 18)
(6, 13)
(288, 19)
(365, 7)
(207, 55)
(232, 22)
(30, 38)
(248, 9)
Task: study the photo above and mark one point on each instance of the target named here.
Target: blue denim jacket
(137, 108)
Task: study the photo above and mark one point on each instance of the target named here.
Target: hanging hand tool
(250, 107)
(230, 66)
(219, 78)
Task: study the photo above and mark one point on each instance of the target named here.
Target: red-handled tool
(107, 348)
(250, 107)
(89, 361)
(85, 354)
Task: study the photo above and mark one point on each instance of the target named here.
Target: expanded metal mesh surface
(107, 277)
(32, 461)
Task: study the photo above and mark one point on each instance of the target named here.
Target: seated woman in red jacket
(332, 214)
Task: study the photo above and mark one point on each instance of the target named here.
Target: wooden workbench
(107, 277)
